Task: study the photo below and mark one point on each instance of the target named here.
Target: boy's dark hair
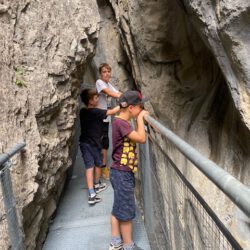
(87, 94)
(104, 65)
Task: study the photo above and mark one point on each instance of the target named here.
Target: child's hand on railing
(143, 113)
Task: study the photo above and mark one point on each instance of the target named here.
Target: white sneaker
(113, 247)
(100, 187)
(93, 199)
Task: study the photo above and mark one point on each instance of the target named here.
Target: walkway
(80, 227)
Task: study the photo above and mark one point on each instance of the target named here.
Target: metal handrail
(234, 189)
(15, 231)
(6, 156)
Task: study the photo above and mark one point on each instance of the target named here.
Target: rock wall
(45, 47)
(109, 49)
(188, 57)
(191, 59)
(224, 26)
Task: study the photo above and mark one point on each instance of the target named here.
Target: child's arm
(113, 110)
(139, 135)
(111, 93)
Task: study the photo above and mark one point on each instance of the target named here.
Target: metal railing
(235, 190)
(186, 222)
(13, 232)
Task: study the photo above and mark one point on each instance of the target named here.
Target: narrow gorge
(189, 57)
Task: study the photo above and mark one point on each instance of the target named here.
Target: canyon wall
(189, 57)
(45, 47)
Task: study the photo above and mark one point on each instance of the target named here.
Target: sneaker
(113, 247)
(93, 199)
(105, 173)
(100, 187)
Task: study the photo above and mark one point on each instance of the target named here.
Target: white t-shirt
(103, 98)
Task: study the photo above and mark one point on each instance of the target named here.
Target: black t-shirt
(91, 125)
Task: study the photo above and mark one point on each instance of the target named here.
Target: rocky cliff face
(44, 47)
(189, 57)
(224, 26)
(109, 48)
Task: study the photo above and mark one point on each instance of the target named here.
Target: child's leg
(126, 232)
(97, 183)
(90, 178)
(98, 164)
(116, 241)
(115, 227)
(89, 166)
(105, 169)
(104, 156)
(98, 172)
(88, 159)
(93, 199)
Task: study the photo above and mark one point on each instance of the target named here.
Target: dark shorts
(123, 184)
(91, 155)
(105, 135)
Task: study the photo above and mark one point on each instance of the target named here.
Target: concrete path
(78, 226)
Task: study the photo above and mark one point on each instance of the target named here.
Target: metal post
(147, 184)
(10, 208)
(15, 231)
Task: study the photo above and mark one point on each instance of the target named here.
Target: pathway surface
(78, 226)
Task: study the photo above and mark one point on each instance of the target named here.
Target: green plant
(20, 83)
(19, 78)
(19, 71)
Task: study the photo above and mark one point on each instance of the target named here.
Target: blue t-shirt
(124, 150)
(91, 120)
